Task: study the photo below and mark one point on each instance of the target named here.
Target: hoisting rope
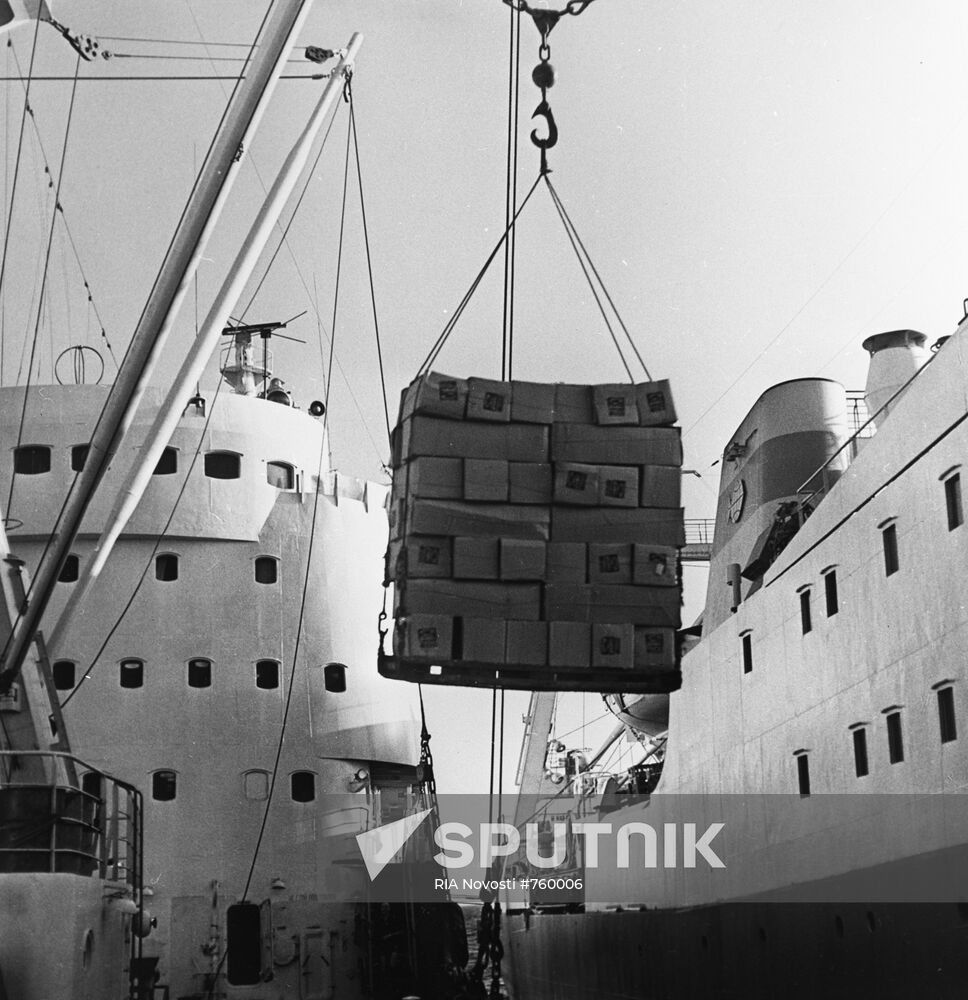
(16, 174)
(67, 228)
(159, 538)
(583, 257)
(43, 284)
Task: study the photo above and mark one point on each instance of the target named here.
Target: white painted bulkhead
(221, 740)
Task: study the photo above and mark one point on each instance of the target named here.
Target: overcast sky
(760, 184)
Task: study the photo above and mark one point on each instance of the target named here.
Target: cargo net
(534, 536)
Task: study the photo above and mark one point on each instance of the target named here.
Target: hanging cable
(570, 227)
(16, 168)
(283, 241)
(369, 259)
(67, 228)
(511, 190)
(154, 551)
(452, 322)
(50, 241)
(339, 271)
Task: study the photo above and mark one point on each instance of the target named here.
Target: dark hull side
(741, 950)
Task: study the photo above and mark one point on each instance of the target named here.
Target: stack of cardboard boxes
(535, 528)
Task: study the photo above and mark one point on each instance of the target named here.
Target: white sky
(760, 184)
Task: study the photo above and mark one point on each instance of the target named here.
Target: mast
(207, 338)
(166, 296)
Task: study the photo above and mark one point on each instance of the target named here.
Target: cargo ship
(820, 717)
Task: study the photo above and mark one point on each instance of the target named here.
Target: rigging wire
(339, 272)
(452, 322)
(369, 261)
(40, 304)
(570, 226)
(511, 190)
(67, 228)
(154, 550)
(292, 218)
(60, 514)
(16, 170)
(292, 673)
(156, 78)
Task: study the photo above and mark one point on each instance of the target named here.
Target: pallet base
(596, 680)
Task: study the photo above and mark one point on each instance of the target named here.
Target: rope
(369, 263)
(292, 218)
(67, 228)
(511, 191)
(16, 169)
(50, 242)
(292, 673)
(156, 79)
(576, 239)
(154, 551)
(339, 271)
(452, 322)
(63, 508)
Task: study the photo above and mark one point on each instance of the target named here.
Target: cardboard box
(655, 403)
(479, 640)
(655, 565)
(434, 478)
(566, 562)
(478, 520)
(616, 445)
(644, 525)
(576, 483)
(527, 643)
(615, 404)
(610, 562)
(618, 485)
(476, 559)
(569, 644)
(530, 482)
(618, 604)
(522, 559)
(532, 403)
(421, 436)
(486, 479)
(613, 645)
(488, 400)
(423, 637)
(472, 600)
(435, 394)
(418, 557)
(655, 648)
(573, 404)
(661, 486)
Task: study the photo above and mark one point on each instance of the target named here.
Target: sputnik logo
(381, 845)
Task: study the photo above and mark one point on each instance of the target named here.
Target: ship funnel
(895, 357)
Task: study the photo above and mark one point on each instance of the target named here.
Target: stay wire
(16, 170)
(511, 189)
(339, 272)
(154, 551)
(452, 322)
(60, 514)
(369, 263)
(67, 229)
(292, 672)
(292, 217)
(573, 239)
(43, 285)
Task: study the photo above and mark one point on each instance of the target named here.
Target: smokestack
(895, 357)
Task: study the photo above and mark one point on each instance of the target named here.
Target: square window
(163, 786)
(747, 654)
(167, 465)
(199, 673)
(806, 624)
(166, 567)
(803, 774)
(267, 675)
(31, 460)
(132, 673)
(223, 465)
(64, 675)
(79, 456)
(266, 569)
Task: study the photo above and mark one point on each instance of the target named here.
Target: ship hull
(746, 950)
